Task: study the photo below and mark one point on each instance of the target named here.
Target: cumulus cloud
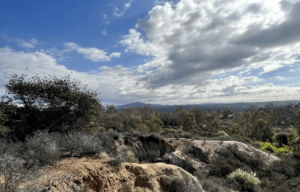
(30, 44)
(16, 62)
(192, 41)
(92, 54)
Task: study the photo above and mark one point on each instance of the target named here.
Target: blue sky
(158, 52)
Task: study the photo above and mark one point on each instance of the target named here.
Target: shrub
(143, 129)
(262, 131)
(281, 138)
(244, 177)
(269, 147)
(118, 159)
(174, 184)
(222, 133)
(154, 125)
(179, 131)
(187, 120)
(188, 136)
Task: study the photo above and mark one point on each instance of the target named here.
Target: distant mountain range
(241, 106)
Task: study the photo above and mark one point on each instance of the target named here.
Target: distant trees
(61, 94)
(211, 122)
(247, 118)
(199, 115)
(187, 120)
(169, 118)
(147, 112)
(227, 112)
(262, 131)
(111, 109)
(144, 121)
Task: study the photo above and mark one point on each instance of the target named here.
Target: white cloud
(130, 88)
(126, 7)
(104, 32)
(195, 40)
(30, 44)
(175, 35)
(190, 43)
(92, 54)
(281, 78)
(115, 54)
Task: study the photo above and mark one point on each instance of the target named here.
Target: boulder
(96, 173)
(197, 153)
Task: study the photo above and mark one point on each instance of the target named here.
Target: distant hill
(240, 107)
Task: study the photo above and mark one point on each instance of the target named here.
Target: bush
(269, 147)
(222, 133)
(154, 125)
(174, 184)
(281, 138)
(262, 131)
(118, 159)
(244, 178)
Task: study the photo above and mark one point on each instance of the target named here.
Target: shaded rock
(197, 153)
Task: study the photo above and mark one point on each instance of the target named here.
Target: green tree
(297, 123)
(247, 117)
(262, 131)
(211, 122)
(187, 120)
(146, 112)
(273, 118)
(154, 124)
(131, 120)
(111, 109)
(199, 115)
(179, 109)
(61, 95)
(6, 111)
(227, 112)
(117, 120)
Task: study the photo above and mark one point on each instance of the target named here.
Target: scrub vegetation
(39, 135)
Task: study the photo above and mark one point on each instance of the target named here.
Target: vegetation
(76, 122)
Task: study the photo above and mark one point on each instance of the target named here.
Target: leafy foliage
(212, 123)
(62, 95)
(227, 112)
(281, 138)
(187, 120)
(154, 124)
(262, 131)
(169, 119)
(266, 146)
(199, 115)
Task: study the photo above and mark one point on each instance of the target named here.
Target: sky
(158, 52)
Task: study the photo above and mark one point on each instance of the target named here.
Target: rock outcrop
(99, 174)
(198, 152)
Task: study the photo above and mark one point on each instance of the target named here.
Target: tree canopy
(67, 105)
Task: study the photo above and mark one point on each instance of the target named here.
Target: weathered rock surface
(98, 174)
(197, 152)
